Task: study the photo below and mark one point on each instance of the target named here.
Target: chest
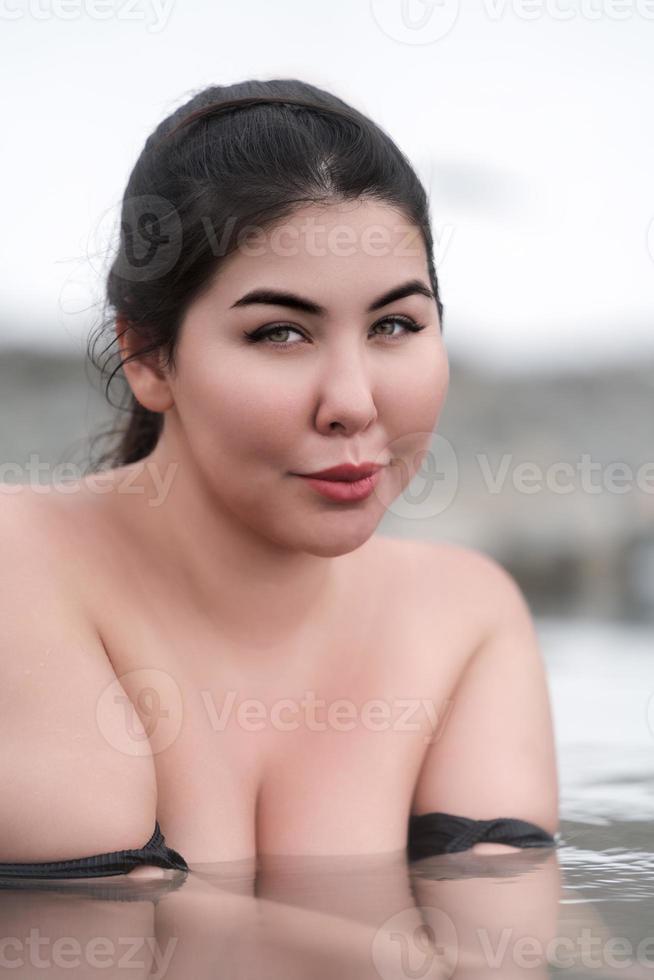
(313, 745)
(312, 749)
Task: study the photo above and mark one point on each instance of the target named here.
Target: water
(585, 909)
(601, 678)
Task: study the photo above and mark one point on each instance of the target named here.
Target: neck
(247, 585)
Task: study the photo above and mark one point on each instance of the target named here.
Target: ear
(147, 379)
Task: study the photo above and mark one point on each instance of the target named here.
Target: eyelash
(261, 335)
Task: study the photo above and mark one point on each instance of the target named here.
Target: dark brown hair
(233, 157)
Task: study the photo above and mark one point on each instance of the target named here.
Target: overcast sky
(531, 123)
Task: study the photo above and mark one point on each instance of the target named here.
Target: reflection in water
(530, 913)
(520, 914)
(372, 916)
(582, 909)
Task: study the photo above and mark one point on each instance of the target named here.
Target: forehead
(338, 249)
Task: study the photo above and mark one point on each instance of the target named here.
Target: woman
(224, 649)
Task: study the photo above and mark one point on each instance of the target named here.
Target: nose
(345, 397)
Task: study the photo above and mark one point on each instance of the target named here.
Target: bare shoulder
(472, 564)
(461, 580)
(445, 555)
(27, 516)
(495, 588)
(69, 788)
(497, 598)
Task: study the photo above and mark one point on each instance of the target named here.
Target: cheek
(251, 415)
(413, 401)
(414, 395)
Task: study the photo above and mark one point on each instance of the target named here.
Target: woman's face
(344, 384)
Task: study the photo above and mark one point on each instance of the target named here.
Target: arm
(495, 755)
(495, 758)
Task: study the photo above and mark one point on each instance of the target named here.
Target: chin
(338, 530)
(331, 552)
(338, 539)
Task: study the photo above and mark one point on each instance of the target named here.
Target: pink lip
(343, 491)
(345, 471)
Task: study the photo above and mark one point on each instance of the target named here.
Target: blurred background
(530, 125)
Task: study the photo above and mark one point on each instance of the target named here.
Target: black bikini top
(429, 833)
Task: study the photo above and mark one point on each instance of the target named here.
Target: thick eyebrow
(275, 297)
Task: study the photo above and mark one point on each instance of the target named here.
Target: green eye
(263, 334)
